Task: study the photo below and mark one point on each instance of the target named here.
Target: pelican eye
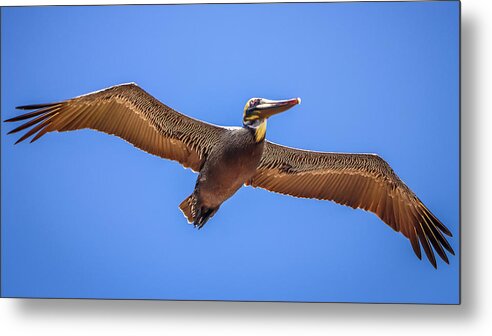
(254, 102)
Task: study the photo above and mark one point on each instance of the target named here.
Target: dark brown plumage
(227, 158)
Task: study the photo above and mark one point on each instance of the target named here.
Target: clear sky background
(85, 214)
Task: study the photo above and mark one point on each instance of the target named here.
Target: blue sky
(85, 214)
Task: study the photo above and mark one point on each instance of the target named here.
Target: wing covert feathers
(362, 181)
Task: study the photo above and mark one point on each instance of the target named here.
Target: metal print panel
(118, 99)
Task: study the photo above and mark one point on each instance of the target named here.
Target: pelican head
(259, 109)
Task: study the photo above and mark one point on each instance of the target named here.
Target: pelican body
(230, 165)
(226, 158)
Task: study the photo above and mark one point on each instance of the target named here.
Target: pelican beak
(267, 108)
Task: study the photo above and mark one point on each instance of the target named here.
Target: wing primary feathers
(435, 220)
(415, 243)
(34, 130)
(438, 234)
(32, 114)
(32, 122)
(434, 241)
(417, 217)
(425, 244)
(42, 132)
(34, 106)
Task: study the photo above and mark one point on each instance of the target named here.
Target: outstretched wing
(132, 114)
(363, 181)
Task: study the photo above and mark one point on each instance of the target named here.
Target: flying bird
(226, 158)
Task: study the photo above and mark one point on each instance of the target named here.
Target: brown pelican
(227, 158)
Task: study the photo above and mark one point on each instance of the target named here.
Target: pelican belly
(228, 167)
